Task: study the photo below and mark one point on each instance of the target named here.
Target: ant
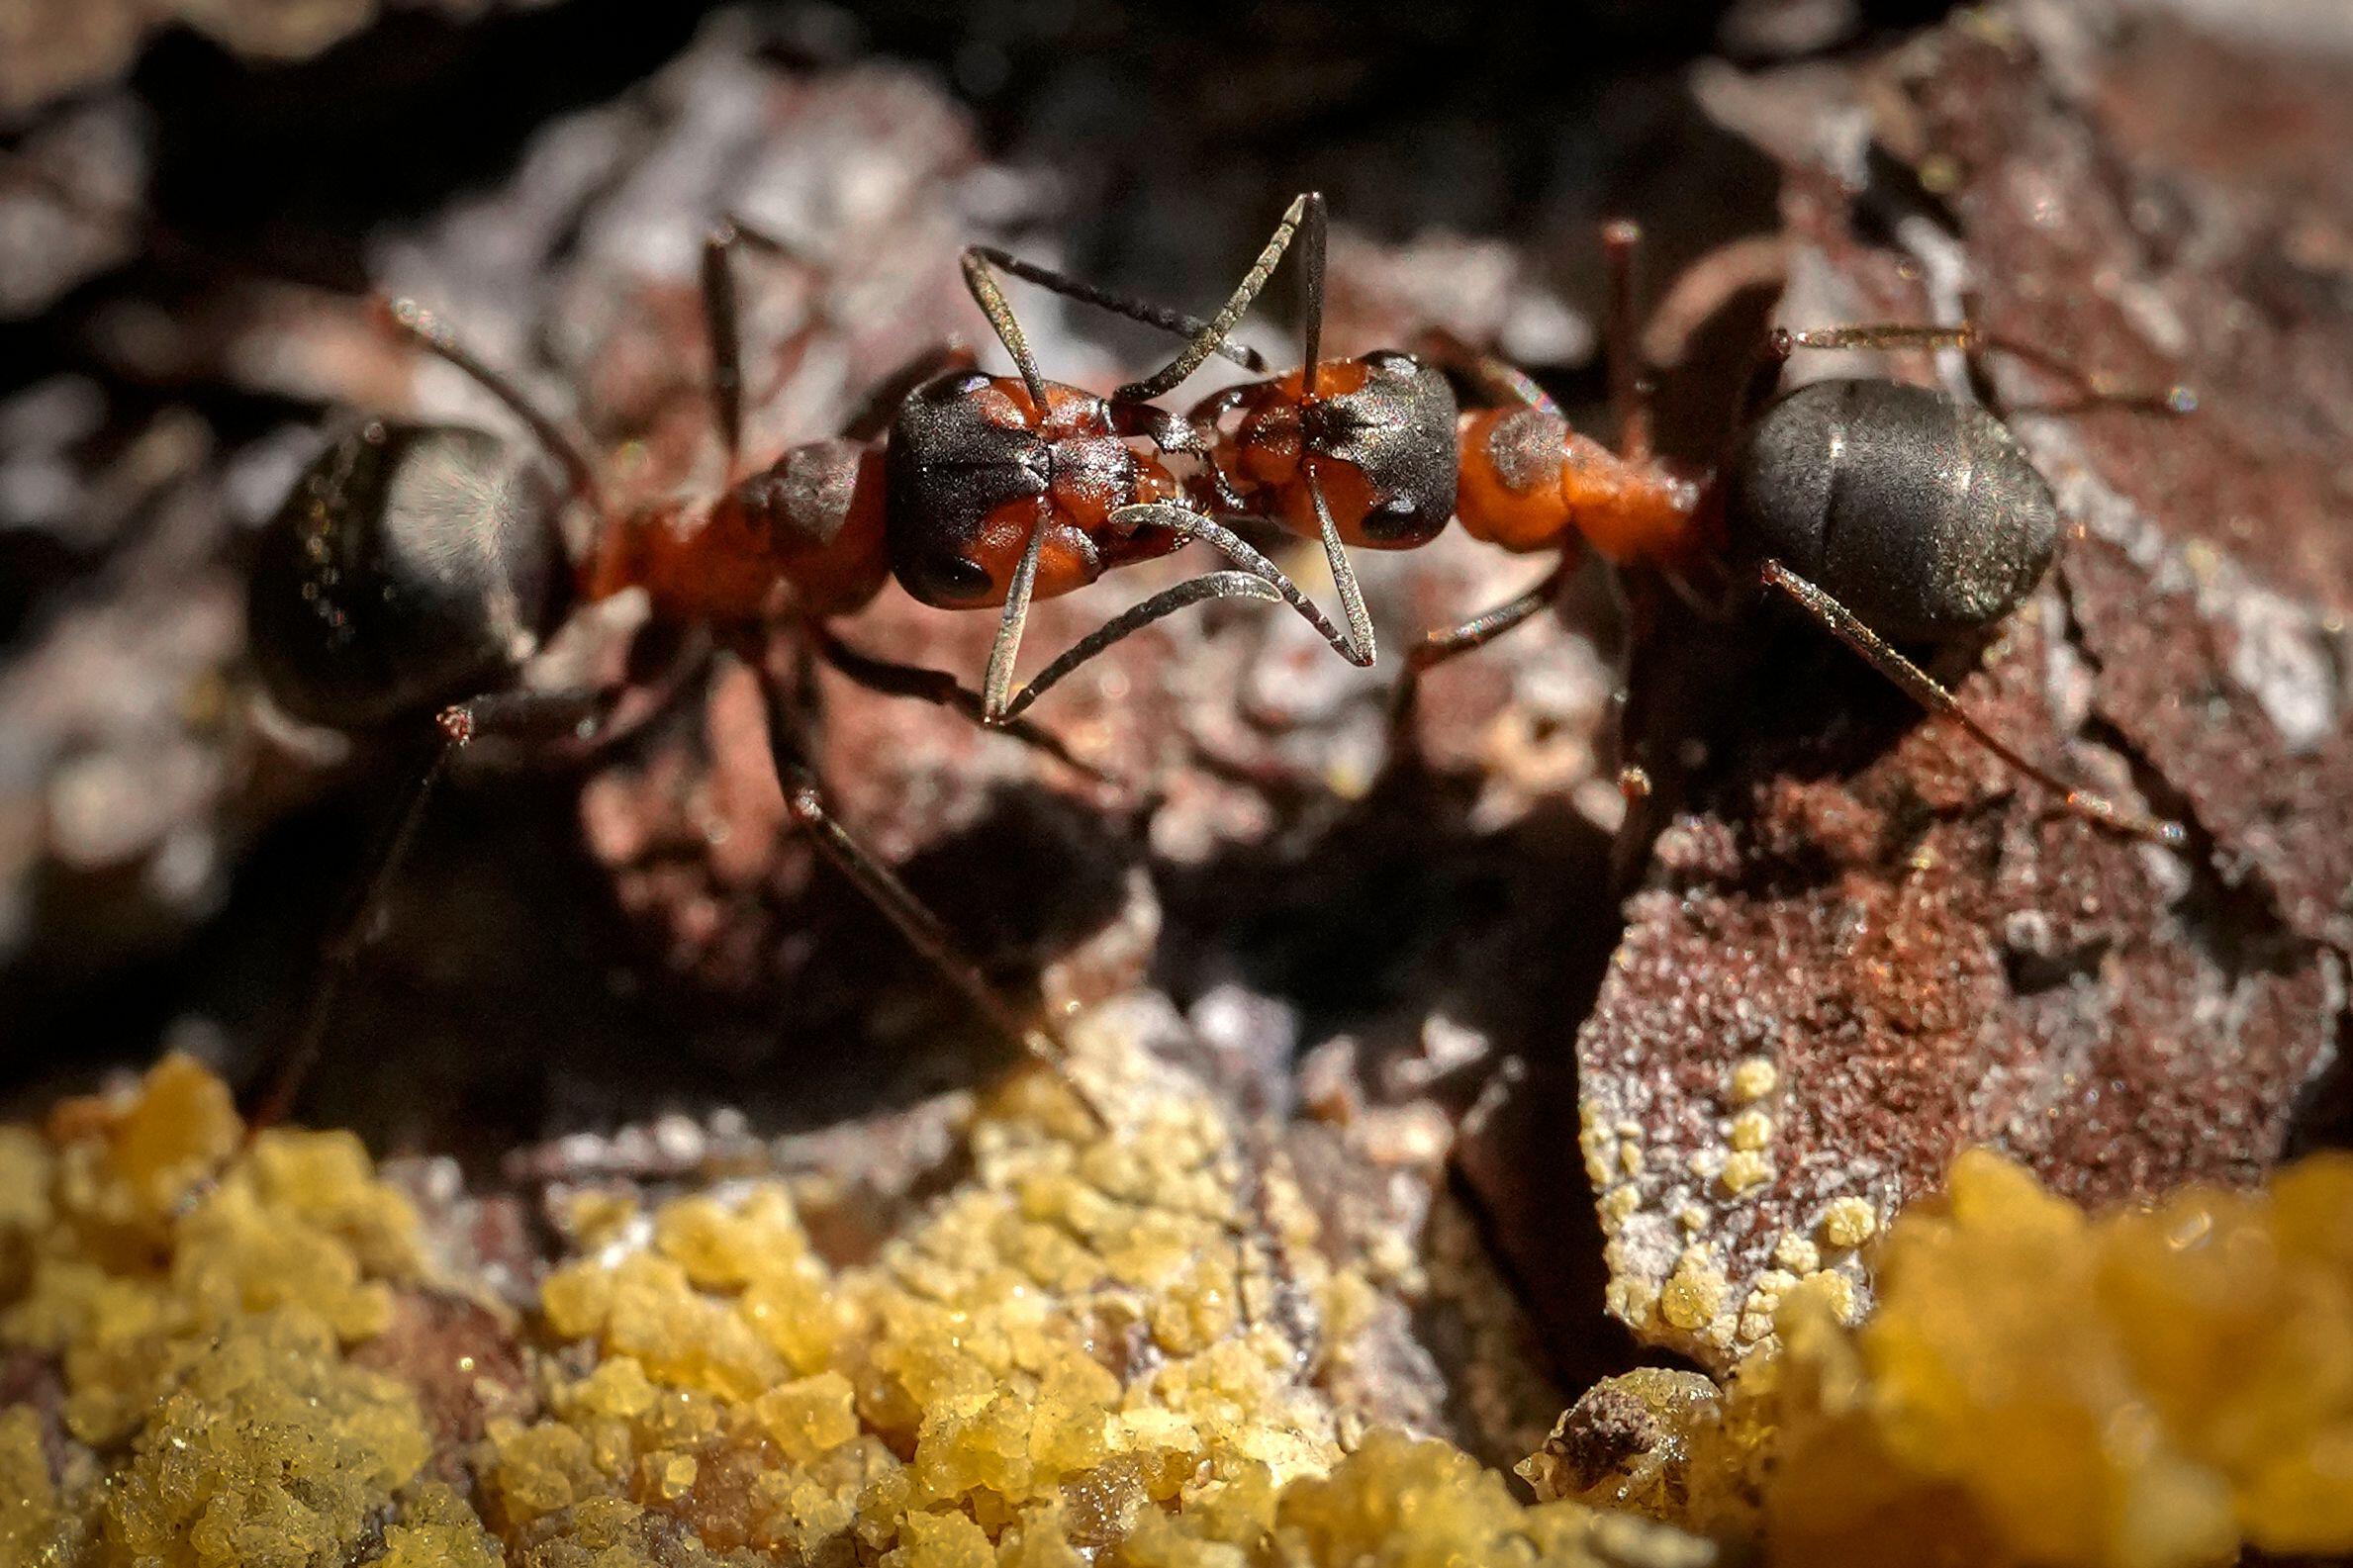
(1941, 525)
(1355, 451)
(415, 569)
(1890, 513)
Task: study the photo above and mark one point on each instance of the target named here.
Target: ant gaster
(416, 569)
(1891, 514)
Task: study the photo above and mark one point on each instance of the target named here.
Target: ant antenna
(1222, 324)
(991, 300)
(433, 334)
(1174, 322)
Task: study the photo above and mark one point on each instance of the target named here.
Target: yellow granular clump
(197, 1308)
(2151, 1388)
(1109, 1346)
(1848, 1221)
(271, 1450)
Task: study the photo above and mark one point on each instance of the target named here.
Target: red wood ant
(1890, 513)
(1887, 512)
(415, 569)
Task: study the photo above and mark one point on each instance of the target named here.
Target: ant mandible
(417, 568)
(1890, 513)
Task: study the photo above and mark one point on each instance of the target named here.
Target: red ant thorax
(1529, 484)
(809, 526)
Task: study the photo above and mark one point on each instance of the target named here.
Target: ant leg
(1843, 624)
(353, 929)
(1174, 322)
(1438, 647)
(433, 334)
(1311, 272)
(1498, 380)
(1630, 381)
(723, 330)
(1306, 212)
(2094, 390)
(804, 800)
(942, 689)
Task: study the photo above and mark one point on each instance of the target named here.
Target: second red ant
(1890, 513)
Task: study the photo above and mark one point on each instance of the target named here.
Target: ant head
(821, 504)
(1380, 436)
(411, 566)
(1920, 512)
(973, 469)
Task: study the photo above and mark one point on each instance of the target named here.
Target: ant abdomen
(1378, 433)
(974, 468)
(410, 565)
(1920, 512)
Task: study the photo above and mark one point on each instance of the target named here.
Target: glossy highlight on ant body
(417, 568)
(1890, 513)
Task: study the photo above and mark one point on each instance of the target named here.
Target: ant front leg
(940, 688)
(804, 801)
(1925, 689)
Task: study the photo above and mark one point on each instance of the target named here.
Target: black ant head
(1917, 511)
(975, 467)
(1379, 433)
(411, 566)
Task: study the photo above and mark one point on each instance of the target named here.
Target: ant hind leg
(519, 715)
(805, 800)
(2093, 390)
(1843, 624)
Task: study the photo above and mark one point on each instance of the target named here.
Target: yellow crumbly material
(1093, 1348)
(2143, 1390)
(198, 1327)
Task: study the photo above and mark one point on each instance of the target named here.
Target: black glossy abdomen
(1917, 511)
(411, 566)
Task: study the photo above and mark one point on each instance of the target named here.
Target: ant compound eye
(940, 577)
(1400, 520)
